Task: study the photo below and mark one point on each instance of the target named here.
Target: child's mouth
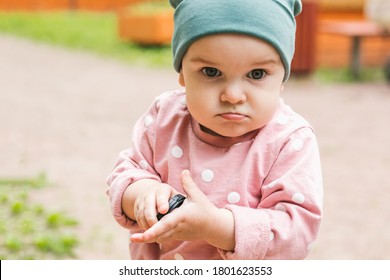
(232, 116)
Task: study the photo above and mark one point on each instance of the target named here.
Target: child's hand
(195, 219)
(154, 199)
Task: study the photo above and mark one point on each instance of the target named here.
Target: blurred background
(76, 74)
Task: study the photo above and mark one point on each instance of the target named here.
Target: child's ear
(181, 79)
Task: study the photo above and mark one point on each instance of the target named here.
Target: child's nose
(233, 93)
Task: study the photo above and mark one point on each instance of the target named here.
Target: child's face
(233, 83)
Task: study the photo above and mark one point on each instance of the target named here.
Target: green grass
(344, 75)
(93, 32)
(29, 230)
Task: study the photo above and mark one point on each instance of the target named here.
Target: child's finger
(190, 187)
(150, 211)
(150, 237)
(161, 228)
(137, 238)
(162, 199)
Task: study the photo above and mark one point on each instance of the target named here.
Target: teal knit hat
(272, 21)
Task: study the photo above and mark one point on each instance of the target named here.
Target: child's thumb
(190, 188)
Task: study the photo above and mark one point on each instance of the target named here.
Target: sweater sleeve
(135, 163)
(287, 219)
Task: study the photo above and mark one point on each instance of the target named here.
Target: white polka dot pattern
(298, 198)
(297, 145)
(148, 120)
(233, 197)
(280, 207)
(207, 176)
(271, 236)
(183, 101)
(177, 152)
(282, 119)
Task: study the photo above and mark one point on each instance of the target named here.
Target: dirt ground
(69, 114)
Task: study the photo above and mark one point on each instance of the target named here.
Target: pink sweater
(272, 184)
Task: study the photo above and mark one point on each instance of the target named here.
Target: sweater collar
(210, 137)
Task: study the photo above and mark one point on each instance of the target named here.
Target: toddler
(247, 164)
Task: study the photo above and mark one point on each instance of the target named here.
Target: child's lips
(232, 116)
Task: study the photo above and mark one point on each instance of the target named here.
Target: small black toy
(174, 202)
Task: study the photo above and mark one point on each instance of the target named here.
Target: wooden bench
(356, 30)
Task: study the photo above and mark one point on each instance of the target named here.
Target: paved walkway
(70, 113)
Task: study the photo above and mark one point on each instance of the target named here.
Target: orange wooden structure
(305, 47)
(356, 31)
(154, 29)
(334, 50)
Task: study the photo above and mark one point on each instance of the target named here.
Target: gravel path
(69, 113)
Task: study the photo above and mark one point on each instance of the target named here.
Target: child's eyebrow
(257, 63)
(199, 59)
(266, 62)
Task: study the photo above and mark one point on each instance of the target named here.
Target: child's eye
(211, 72)
(256, 74)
